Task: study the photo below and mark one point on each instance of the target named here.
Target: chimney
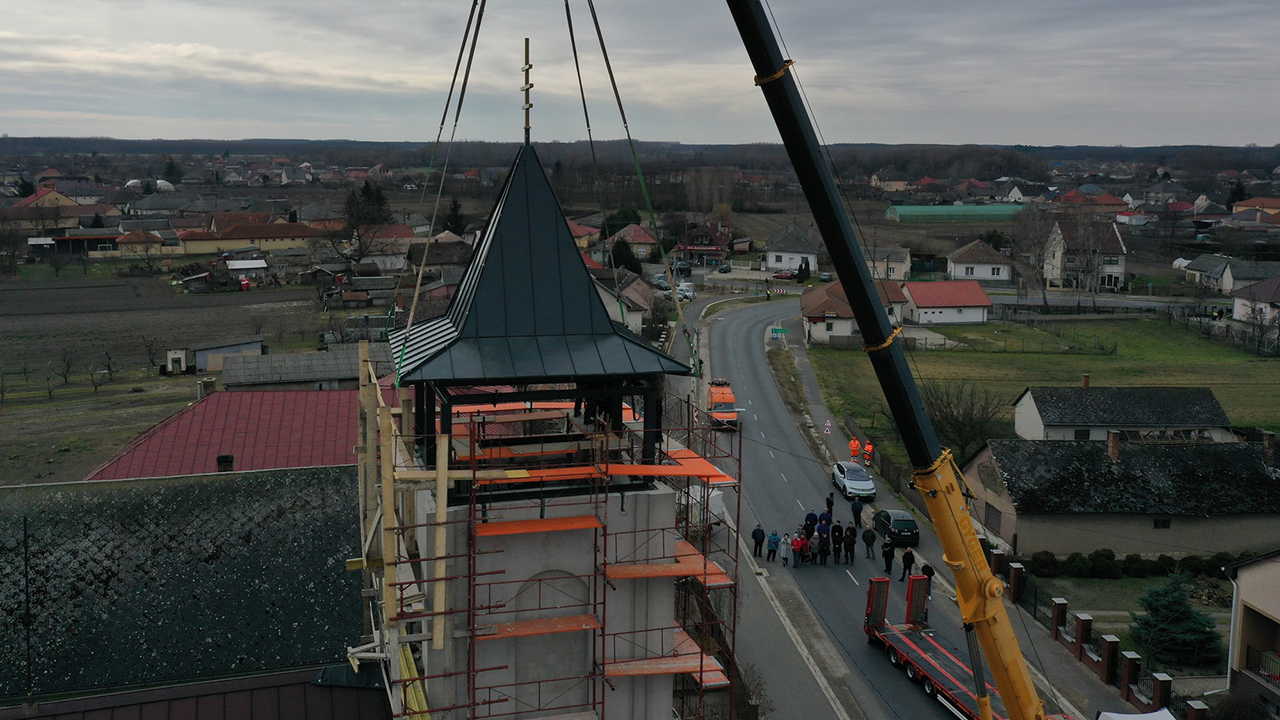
(1084, 380)
(226, 463)
(1269, 448)
(1113, 444)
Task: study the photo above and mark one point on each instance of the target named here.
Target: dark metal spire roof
(527, 308)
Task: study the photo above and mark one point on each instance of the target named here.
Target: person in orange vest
(866, 453)
(854, 447)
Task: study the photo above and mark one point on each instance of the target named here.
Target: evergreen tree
(172, 171)
(618, 220)
(1238, 193)
(25, 188)
(97, 221)
(623, 257)
(455, 221)
(1174, 632)
(803, 273)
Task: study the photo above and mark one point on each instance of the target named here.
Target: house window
(991, 518)
(1111, 260)
(1082, 434)
(891, 270)
(968, 270)
(1071, 258)
(830, 327)
(995, 272)
(777, 258)
(1161, 523)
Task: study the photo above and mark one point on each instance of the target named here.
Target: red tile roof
(946, 294)
(579, 230)
(591, 264)
(24, 202)
(394, 230)
(1259, 202)
(634, 235)
(819, 300)
(264, 430)
(268, 231)
(141, 237)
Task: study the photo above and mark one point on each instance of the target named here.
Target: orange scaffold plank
(510, 452)
(543, 626)
(694, 461)
(579, 472)
(689, 658)
(689, 563)
(495, 528)
(519, 417)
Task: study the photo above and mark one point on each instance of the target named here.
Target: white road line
(784, 477)
(800, 504)
(748, 401)
(762, 434)
(772, 455)
(851, 577)
(754, 416)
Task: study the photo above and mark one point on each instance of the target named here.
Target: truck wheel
(929, 689)
(913, 673)
(894, 658)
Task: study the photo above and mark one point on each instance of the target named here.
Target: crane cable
(476, 15)
(644, 189)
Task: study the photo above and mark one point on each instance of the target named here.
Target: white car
(685, 292)
(853, 481)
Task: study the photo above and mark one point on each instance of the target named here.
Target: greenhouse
(952, 213)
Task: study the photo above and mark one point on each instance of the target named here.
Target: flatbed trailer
(940, 671)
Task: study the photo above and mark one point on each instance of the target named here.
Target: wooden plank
(495, 528)
(542, 626)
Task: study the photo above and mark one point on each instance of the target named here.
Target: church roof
(527, 309)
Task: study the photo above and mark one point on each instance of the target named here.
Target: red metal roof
(264, 430)
(950, 293)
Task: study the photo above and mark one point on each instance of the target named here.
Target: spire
(527, 87)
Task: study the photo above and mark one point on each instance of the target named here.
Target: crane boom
(936, 474)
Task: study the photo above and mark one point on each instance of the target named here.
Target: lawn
(1148, 352)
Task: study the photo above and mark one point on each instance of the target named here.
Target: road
(782, 481)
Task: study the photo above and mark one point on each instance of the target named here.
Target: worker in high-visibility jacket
(854, 448)
(866, 453)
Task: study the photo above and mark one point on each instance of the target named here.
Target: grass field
(1148, 352)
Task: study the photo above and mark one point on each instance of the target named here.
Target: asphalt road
(782, 481)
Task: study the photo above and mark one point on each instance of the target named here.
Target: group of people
(821, 537)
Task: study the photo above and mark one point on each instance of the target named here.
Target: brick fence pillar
(1160, 691)
(1130, 664)
(1084, 628)
(1197, 710)
(1058, 617)
(997, 561)
(1017, 581)
(1110, 652)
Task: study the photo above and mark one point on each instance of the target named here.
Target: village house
(889, 180)
(946, 302)
(1253, 646)
(1146, 414)
(1239, 273)
(1268, 205)
(789, 248)
(1258, 306)
(979, 261)
(336, 368)
(1130, 497)
(642, 243)
(1206, 270)
(829, 319)
(208, 356)
(583, 235)
(1091, 254)
(888, 263)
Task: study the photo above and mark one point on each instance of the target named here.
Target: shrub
(1163, 565)
(1193, 565)
(1076, 566)
(1134, 566)
(1043, 564)
(1102, 564)
(1219, 561)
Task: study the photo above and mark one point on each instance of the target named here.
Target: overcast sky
(908, 71)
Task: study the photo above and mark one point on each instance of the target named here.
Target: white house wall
(1026, 419)
(946, 316)
(781, 260)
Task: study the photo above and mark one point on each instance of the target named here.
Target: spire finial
(527, 87)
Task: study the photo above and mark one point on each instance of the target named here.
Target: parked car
(682, 268)
(897, 526)
(725, 269)
(825, 277)
(853, 481)
(685, 292)
(785, 274)
(659, 282)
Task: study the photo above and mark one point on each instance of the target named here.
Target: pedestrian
(866, 453)
(825, 518)
(796, 550)
(823, 529)
(837, 542)
(773, 546)
(812, 517)
(786, 548)
(813, 549)
(850, 546)
(927, 571)
(804, 548)
(908, 564)
(757, 536)
(886, 552)
(831, 504)
(854, 448)
(856, 507)
(824, 549)
(869, 539)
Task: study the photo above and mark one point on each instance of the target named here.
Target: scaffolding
(535, 560)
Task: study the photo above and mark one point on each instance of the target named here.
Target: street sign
(774, 336)
(827, 430)
(780, 331)
(828, 422)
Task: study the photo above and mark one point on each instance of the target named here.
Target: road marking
(851, 577)
(748, 401)
(800, 504)
(784, 477)
(762, 434)
(754, 416)
(772, 455)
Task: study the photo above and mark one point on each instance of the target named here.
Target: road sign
(774, 336)
(828, 422)
(780, 330)
(827, 430)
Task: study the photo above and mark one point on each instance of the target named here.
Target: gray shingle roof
(1248, 270)
(1057, 477)
(526, 310)
(1208, 263)
(340, 362)
(888, 254)
(1121, 407)
(978, 252)
(792, 239)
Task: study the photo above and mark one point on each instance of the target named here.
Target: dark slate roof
(230, 342)
(888, 254)
(340, 362)
(1254, 270)
(1210, 263)
(792, 239)
(1056, 477)
(527, 309)
(978, 252)
(1121, 407)
(1267, 291)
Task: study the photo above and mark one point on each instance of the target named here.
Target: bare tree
(1033, 242)
(964, 415)
(66, 366)
(48, 383)
(97, 376)
(58, 262)
(108, 364)
(144, 247)
(1086, 248)
(4, 386)
(151, 346)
